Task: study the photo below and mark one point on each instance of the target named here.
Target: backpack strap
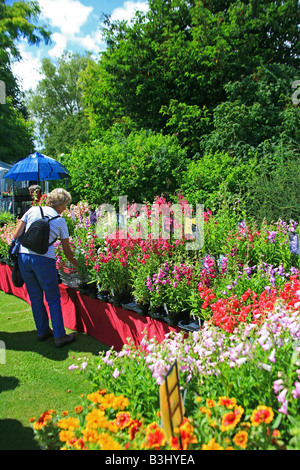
(43, 217)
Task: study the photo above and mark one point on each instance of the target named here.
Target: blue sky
(75, 27)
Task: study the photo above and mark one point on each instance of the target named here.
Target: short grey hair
(57, 197)
(34, 187)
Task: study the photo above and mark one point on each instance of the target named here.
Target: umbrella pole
(13, 197)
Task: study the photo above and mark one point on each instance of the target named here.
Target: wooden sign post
(171, 404)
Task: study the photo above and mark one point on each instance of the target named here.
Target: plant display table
(109, 324)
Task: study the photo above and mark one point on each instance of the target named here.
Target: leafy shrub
(140, 166)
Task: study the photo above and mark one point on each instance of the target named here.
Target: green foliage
(138, 166)
(56, 104)
(276, 195)
(203, 179)
(186, 52)
(6, 218)
(258, 112)
(16, 21)
(16, 133)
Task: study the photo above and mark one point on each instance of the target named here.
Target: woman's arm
(20, 229)
(68, 251)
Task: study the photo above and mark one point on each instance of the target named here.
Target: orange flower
(205, 410)
(240, 439)
(230, 420)
(43, 420)
(66, 436)
(68, 423)
(187, 434)
(155, 437)
(262, 414)
(174, 443)
(134, 428)
(210, 403)
(123, 419)
(78, 409)
(212, 445)
(228, 402)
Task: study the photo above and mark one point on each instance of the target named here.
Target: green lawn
(34, 375)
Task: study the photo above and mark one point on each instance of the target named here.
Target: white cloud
(127, 11)
(67, 15)
(90, 42)
(27, 69)
(60, 45)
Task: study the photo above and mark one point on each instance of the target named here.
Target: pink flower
(277, 385)
(272, 357)
(282, 395)
(283, 408)
(296, 392)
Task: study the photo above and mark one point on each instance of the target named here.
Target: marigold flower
(155, 437)
(241, 439)
(66, 436)
(68, 423)
(123, 420)
(95, 419)
(174, 443)
(227, 402)
(78, 409)
(262, 414)
(230, 420)
(205, 410)
(210, 403)
(106, 442)
(43, 420)
(187, 436)
(90, 435)
(212, 445)
(135, 426)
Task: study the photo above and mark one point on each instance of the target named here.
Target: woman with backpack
(38, 268)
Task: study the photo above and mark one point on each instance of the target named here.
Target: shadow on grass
(27, 341)
(14, 436)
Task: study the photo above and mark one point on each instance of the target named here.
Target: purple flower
(296, 392)
(272, 236)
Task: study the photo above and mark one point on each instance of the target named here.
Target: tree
(186, 51)
(57, 106)
(16, 21)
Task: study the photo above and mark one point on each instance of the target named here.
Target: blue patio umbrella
(37, 167)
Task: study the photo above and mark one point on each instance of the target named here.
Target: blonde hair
(57, 197)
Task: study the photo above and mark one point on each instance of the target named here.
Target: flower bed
(239, 371)
(241, 391)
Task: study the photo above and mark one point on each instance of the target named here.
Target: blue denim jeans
(40, 276)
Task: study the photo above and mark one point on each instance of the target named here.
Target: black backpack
(37, 236)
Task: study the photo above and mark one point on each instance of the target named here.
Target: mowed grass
(34, 375)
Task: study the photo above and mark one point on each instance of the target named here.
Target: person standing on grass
(39, 271)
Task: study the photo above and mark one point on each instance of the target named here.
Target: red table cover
(110, 325)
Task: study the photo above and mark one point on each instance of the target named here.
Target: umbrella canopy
(37, 167)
